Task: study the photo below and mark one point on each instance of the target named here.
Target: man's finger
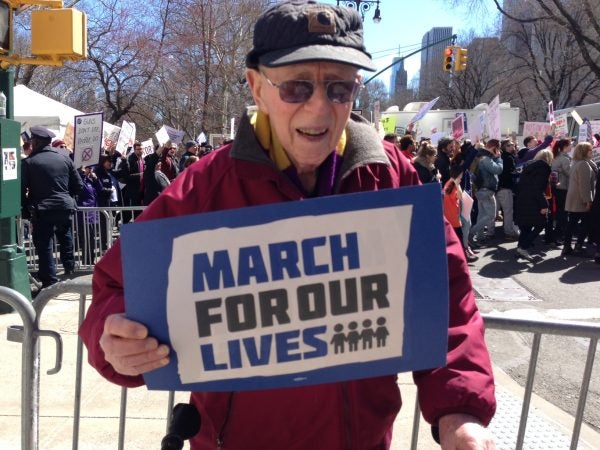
(119, 325)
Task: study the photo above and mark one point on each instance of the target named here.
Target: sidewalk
(548, 427)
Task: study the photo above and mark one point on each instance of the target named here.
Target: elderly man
(302, 142)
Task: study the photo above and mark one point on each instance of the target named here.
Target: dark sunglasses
(300, 91)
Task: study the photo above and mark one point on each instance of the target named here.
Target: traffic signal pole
(441, 41)
(13, 262)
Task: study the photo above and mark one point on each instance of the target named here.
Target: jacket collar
(363, 146)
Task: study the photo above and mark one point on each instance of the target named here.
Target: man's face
(510, 147)
(137, 150)
(532, 143)
(309, 130)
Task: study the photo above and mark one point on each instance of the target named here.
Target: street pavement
(551, 287)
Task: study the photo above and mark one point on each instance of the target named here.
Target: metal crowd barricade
(30, 333)
(94, 232)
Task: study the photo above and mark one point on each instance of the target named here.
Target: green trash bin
(13, 262)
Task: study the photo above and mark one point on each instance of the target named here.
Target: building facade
(432, 57)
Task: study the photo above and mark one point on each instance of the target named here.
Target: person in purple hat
(300, 142)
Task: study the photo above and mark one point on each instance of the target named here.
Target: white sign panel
(126, 137)
(561, 128)
(87, 139)
(111, 135)
(9, 164)
(493, 116)
(167, 133)
(424, 110)
(476, 128)
(147, 147)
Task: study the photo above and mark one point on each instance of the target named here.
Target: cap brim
(333, 53)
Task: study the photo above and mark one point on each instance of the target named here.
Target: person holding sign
(303, 142)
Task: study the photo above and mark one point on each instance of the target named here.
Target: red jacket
(348, 415)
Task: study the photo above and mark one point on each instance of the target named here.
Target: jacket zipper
(220, 438)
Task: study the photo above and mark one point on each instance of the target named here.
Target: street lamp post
(363, 6)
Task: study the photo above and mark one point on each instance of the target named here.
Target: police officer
(49, 183)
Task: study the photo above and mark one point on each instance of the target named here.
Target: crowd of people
(53, 190)
(547, 186)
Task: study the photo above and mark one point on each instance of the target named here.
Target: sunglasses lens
(295, 91)
(341, 91)
(300, 91)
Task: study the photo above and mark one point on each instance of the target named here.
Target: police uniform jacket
(49, 181)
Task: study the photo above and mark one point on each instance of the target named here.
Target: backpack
(476, 175)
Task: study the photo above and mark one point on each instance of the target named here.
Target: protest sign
(293, 294)
(424, 110)
(110, 135)
(436, 136)
(376, 113)
(477, 127)
(458, 127)
(561, 128)
(126, 137)
(584, 132)
(388, 123)
(167, 133)
(576, 117)
(69, 136)
(493, 117)
(147, 147)
(466, 126)
(537, 129)
(88, 139)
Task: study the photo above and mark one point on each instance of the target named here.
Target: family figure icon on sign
(353, 337)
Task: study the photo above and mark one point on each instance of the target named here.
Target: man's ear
(257, 85)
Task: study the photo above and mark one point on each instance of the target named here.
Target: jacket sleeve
(108, 298)
(75, 183)
(492, 165)
(107, 282)
(466, 383)
(585, 183)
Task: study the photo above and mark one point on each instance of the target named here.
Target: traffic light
(60, 32)
(460, 59)
(448, 58)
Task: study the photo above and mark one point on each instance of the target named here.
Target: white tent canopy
(32, 108)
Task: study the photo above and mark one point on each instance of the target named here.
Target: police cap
(41, 132)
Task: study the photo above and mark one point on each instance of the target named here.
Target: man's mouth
(312, 132)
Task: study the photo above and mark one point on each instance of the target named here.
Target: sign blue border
(147, 249)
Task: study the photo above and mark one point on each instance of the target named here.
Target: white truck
(439, 121)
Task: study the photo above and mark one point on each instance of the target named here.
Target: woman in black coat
(531, 205)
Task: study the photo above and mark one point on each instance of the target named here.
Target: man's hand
(129, 349)
(464, 432)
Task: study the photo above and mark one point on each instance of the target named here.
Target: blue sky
(405, 21)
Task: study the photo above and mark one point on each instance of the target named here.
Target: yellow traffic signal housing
(448, 58)
(59, 33)
(460, 59)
